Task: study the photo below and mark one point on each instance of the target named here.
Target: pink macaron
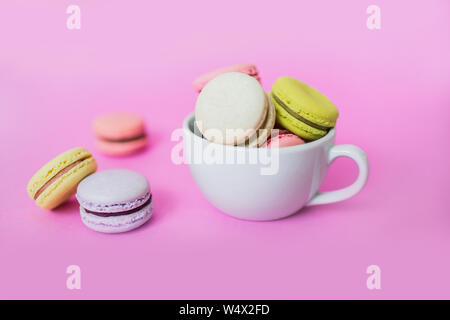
(283, 139)
(246, 68)
(120, 133)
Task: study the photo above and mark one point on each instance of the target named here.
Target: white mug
(278, 184)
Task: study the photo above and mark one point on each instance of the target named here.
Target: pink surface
(391, 88)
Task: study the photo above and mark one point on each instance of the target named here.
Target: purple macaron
(114, 201)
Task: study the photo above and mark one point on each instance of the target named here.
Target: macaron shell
(65, 186)
(121, 148)
(231, 101)
(266, 127)
(117, 224)
(294, 125)
(116, 126)
(51, 169)
(306, 101)
(114, 190)
(246, 68)
(284, 140)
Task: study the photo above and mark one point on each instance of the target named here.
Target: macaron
(120, 133)
(57, 180)
(231, 108)
(283, 139)
(261, 135)
(302, 109)
(246, 68)
(114, 201)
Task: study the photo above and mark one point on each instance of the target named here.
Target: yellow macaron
(302, 109)
(57, 180)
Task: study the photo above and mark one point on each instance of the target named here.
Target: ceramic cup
(267, 183)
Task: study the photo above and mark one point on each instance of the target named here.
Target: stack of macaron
(111, 201)
(232, 108)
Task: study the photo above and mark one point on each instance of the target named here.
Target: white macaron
(231, 108)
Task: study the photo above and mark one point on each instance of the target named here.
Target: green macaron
(302, 109)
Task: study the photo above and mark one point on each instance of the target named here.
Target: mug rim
(302, 147)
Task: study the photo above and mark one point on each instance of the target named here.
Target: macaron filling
(123, 140)
(297, 116)
(56, 177)
(113, 207)
(120, 213)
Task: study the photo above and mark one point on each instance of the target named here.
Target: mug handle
(357, 155)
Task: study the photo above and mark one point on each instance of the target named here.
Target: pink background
(390, 85)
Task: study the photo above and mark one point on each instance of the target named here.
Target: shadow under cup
(266, 183)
